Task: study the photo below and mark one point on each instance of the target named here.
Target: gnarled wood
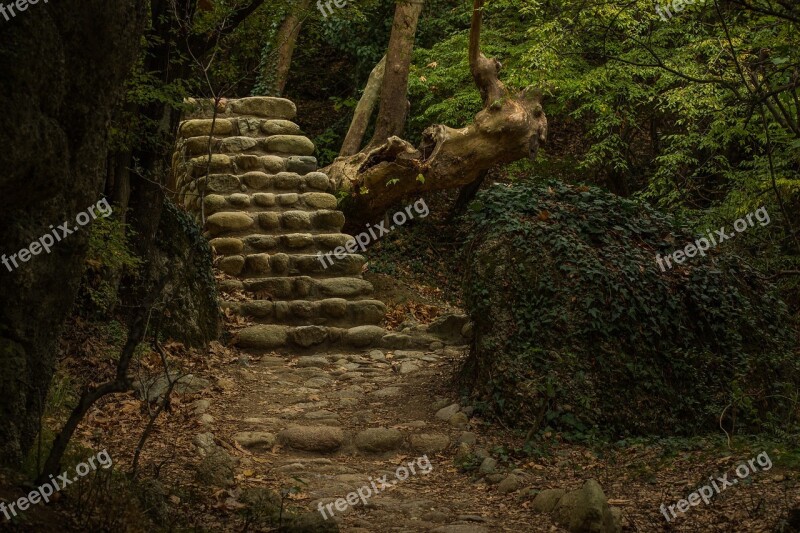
(508, 128)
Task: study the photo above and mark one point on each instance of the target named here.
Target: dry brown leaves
(422, 313)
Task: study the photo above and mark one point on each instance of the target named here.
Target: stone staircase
(268, 214)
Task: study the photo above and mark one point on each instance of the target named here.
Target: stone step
(193, 134)
(255, 182)
(300, 287)
(251, 143)
(265, 337)
(292, 243)
(237, 164)
(256, 106)
(238, 223)
(290, 265)
(328, 312)
(267, 201)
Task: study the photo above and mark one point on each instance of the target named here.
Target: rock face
(268, 215)
(59, 90)
(192, 311)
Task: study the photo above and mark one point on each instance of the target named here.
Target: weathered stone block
(237, 144)
(264, 199)
(261, 242)
(279, 127)
(286, 180)
(195, 128)
(269, 221)
(317, 180)
(328, 220)
(290, 144)
(214, 203)
(221, 222)
(264, 106)
(264, 337)
(319, 200)
(239, 200)
(272, 163)
(222, 184)
(231, 265)
(279, 263)
(297, 240)
(256, 180)
(258, 264)
(227, 245)
(296, 220)
(288, 199)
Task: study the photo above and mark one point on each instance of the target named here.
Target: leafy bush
(578, 329)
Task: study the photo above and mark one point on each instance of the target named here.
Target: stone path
(331, 424)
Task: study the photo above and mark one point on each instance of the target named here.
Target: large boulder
(191, 309)
(578, 328)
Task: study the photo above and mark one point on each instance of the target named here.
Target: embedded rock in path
(509, 484)
(547, 500)
(312, 438)
(429, 442)
(378, 440)
(388, 392)
(446, 412)
(459, 420)
(408, 367)
(311, 361)
(377, 355)
(255, 440)
(488, 466)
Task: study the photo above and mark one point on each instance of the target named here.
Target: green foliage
(578, 329)
(108, 258)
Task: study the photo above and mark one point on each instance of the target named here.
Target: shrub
(578, 329)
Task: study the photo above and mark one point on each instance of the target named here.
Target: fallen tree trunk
(508, 128)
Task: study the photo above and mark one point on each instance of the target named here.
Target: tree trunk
(393, 109)
(286, 41)
(363, 112)
(508, 128)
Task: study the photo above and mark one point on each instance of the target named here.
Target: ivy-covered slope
(578, 329)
